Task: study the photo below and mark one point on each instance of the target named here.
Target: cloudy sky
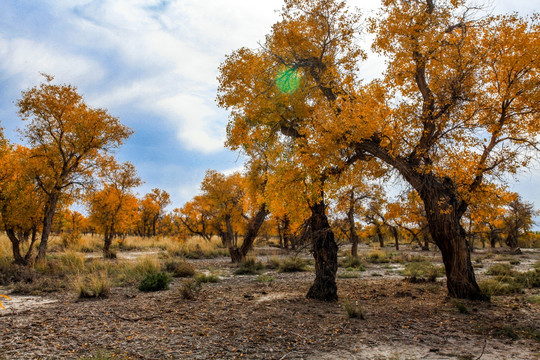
(152, 63)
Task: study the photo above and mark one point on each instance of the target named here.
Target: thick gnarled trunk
(450, 238)
(325, 254)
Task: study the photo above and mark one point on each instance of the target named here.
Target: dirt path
(241, 318)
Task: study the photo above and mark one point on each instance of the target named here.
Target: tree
(519, 219)
(68, 140)
(113, 208)
(410, 216)
(151, 209)
(457, 107)
(21, 202)
(196, 216)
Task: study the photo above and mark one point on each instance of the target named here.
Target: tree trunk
(16, 247)
(239, 254)
(396, 236)
(450, 237)
(107, 253)
(286, 232)
(512, 240)
(425, 246)
(325, 254)
(379, 235)
(352, 232)
(50, 210)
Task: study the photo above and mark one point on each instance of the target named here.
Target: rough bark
(325, 254)
(50, 210)
(107, 253)
(450, 238)
(238, 254)
(352, 232)
(379, 235)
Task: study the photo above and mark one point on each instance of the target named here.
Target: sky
(154, 64)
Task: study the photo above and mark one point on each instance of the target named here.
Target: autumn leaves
(456, 109)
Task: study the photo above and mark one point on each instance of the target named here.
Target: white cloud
(25, 59)
(170, 53)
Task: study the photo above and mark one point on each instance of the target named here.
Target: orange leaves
(113, 209)
(65, 134)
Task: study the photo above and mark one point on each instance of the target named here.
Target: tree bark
(238, 254)
(107, 253)
(450, 238)
(379, 235)
(325, 254)
(352, 232)
(50, 210)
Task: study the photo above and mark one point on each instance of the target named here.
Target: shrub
(265, 278)
(155, 282)
(377, 257)
(203, 278)
(273, 263)
(461, 307)
(94, 285)
(422, 271)
(131, 273)
(353, 263)
(249, 267)
(498, 286)
(348, 275)
(179, 268)
(529, 279)
(294, 264)
(190, 289)
(502, 269)
(354, 311)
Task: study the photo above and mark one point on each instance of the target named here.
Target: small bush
(249, 267)
(461, 307)
(422, 271)
(294, 264)
(132, 273)
(190, 289)
(502, 269)
(265, 278)
(377, 257)
(94, 285)
(179, 268)
(354, 311)
(494, 287)
(273, 263)
(155, 282)
(529, 279)
(353, 263)
(203, 278)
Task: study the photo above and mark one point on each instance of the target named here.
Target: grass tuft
(155, 282)
(249, 267)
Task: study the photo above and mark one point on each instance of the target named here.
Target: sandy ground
(242, 318)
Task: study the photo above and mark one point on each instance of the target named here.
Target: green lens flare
(288, 80)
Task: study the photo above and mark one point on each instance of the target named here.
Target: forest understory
(268, 317)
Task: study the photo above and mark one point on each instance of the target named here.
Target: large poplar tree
(457, 107)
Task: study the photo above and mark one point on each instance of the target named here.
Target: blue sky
(152, 63)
